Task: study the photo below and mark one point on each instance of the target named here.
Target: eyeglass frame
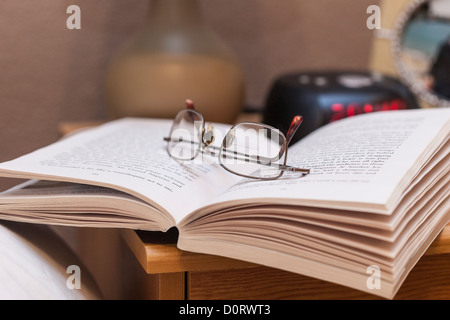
(295, 124)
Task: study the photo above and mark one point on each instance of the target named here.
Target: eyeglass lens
(253, 150)
(185, 136)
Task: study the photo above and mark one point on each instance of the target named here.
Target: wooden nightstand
(176, 274)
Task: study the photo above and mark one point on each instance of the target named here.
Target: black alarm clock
(324, 97)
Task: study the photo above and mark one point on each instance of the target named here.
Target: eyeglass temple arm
(248, 158)
(295, 124)
(190, 104)
(294, 169)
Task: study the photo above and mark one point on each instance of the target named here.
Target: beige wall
(272, 37)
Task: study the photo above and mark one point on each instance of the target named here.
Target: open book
(376, 197)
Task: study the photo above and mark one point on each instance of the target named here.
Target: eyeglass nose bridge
(208, 135)
(229, 138)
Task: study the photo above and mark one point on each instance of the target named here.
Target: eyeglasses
(251, 150)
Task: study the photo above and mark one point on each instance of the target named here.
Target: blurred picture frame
(413, 44)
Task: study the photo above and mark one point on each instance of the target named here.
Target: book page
(128, 155)
(360, 160)
(74, 204)
(37, 189)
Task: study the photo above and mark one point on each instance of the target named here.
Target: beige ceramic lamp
(175, 57)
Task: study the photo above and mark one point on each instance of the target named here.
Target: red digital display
(341, 110)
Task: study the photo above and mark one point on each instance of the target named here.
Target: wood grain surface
(430, 279)
(157, 252)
